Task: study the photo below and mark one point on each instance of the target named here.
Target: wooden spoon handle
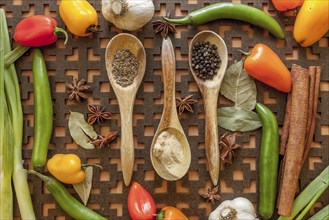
(168, 76)
(211, 135)
(127, 145)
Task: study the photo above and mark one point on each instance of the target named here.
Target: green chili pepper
(43, 111)
(70, 205)
(228, 10)
(269, 160)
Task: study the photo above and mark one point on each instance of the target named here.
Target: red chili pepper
(285, 5)
(266, 66)
(140, 203)
(37, 30)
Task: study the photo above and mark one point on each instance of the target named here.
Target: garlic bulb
(236, 209)
(128, 14)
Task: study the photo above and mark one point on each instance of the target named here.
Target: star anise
(98, 114)
(105, 140)
(185, 104)
(163, 27)
(227, 145)
(211, 195)
(77, 90)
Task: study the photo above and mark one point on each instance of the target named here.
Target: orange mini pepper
(285, 5)
(171, 213)
(266, 66)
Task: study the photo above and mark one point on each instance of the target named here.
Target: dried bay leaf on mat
(238, 119)
(81, 131)
(83, 189)
(239, 87)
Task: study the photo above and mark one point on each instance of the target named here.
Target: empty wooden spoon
(210, 90)
(170, 151)
(126, 96)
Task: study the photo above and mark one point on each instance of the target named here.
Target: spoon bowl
(209, 89)
(126, 96)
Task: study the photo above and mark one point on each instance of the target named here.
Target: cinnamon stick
(285, 127)
(296, 140)
(316, 92)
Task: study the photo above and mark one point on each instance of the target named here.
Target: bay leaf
(238, 119)
(81, 131)
(239, 87)
(83, 189)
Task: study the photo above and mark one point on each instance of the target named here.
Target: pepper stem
(91, 164)
(42, 177)
(161, 215)
(93, 28)
(58, 29)
(244, 52)
(184, 21)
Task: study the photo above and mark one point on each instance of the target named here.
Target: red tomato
(141, 205)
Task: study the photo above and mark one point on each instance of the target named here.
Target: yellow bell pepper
(66, 168)
(79, 16)
(312, 22)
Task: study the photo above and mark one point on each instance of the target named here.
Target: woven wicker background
(83, 58)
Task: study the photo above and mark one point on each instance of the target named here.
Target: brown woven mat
(84, 58)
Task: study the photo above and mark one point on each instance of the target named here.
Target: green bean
(70, 205)
(43, 111)
(269, 160)
(228, 10)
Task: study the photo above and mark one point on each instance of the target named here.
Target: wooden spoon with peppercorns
(207, 46)
(125, 60)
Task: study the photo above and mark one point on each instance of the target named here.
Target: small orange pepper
(266, 66)
(171, 213)
(285, 5)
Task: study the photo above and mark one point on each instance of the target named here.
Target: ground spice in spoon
(124, 67)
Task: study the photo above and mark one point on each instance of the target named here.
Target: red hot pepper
(37, 30)
(140, 203)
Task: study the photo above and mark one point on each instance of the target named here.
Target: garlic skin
(128, 15)
(236, 209)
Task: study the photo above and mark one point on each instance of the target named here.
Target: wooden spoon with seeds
(210, 90)
(126, 96)
(172, 161)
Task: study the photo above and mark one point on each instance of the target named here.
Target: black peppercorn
(205, 60)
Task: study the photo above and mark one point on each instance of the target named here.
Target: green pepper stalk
(16, 115)
(228, 10)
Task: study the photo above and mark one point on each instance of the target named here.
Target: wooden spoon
(169, 120)
(210, 89)
(126, 96)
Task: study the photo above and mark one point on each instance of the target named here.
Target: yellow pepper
(79, 16)
(66, 168)
(312, 22)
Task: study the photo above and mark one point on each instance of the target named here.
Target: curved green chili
(43, 111)
(68, 203)
(228, 10)
(269, 160)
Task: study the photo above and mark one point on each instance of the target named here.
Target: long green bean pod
(12, 92)
(70, 205)
(236, 11)
(43, 111)
(269, 160)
